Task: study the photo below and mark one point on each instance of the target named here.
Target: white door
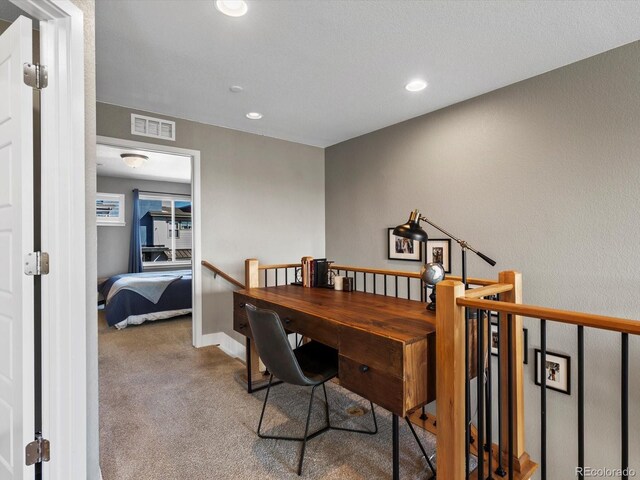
(16, 240)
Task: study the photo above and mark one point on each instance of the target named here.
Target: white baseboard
(228, 345)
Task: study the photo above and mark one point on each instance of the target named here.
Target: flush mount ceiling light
(254, 116)
(416, 85)
(232, 8)
(134, 160)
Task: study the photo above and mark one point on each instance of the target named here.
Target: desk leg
(395, 440)
(248, 361)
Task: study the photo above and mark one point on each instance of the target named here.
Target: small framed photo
(557, 371)
(110, 209)
(439, 251)
(494, 341)
(404, 248)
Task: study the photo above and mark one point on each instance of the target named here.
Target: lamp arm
(463, 244)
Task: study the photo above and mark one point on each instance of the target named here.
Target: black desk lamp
(413, 231)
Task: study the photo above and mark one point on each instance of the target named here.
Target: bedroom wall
(543, 176)
(261, 198)
(113, 241)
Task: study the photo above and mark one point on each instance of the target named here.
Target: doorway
(163, 184)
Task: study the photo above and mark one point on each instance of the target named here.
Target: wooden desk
(386, 345)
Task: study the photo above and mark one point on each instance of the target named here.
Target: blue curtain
(135, 246)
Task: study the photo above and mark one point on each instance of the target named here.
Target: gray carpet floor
(170, 411)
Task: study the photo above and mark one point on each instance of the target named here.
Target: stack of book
(315, 272)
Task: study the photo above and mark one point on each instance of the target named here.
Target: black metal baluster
(467, 396)
(489, 399)
(385, 285)
(276, 277)
(510, 387)
(500, 469)
(625, 406)
(581, 401)
(355, 281)
(480, 392)
(396, 277)
(286, 276)
(408, 288)
(265, 277)
(374, 284)
(543, 398)
(365, 281)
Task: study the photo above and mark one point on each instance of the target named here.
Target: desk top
(398, 318)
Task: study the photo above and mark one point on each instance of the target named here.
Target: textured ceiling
(325, 71)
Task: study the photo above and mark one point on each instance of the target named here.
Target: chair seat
(317, 361)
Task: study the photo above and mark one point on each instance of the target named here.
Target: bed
(134, 298)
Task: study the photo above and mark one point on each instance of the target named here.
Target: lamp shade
(134, 160)
(411, 229)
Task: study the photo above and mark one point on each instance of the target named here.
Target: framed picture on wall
(110, 209)
(494, 341)
(439, 251)
(402, 248)
(557, 371)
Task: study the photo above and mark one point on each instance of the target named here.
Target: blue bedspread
(125, 303)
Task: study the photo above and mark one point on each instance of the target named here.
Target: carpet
(169, 411)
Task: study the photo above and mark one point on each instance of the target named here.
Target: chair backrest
(273, 346)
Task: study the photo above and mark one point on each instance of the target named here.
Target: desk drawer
(373, 384)
(376, 351)
(241, 322)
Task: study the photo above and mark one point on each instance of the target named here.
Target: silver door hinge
(37, 451)
(36, 76)
(36, 263)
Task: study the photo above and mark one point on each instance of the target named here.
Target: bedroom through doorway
(146, 242)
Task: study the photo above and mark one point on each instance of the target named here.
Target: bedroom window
(165, 229)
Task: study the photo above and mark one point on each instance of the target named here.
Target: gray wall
(261, 198)
(543, 176)
(113, 241)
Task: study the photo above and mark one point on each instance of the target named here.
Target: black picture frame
(525, 339)
(550, 357)
(445, 245)
(392, 248)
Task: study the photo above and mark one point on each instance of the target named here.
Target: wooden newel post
(450, 380)
(516, 382)
(251, 273)
(252, 280)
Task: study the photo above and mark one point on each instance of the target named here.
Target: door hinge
(36, 263)
(37, 451)
(36, 76)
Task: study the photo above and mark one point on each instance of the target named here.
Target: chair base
(308, 436)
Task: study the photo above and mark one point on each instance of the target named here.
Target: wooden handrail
(563, 316)
(227, 277)
(488, 290)
(279, 265)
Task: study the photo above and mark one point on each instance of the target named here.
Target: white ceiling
(160, 166)
(325, 71)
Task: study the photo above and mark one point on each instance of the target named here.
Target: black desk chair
(310, 365)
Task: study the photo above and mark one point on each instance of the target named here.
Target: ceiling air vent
(152, 127)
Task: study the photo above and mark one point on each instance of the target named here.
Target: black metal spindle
(510, 388)
(489, 400)
(408, 288)
(480, 392)
(624, 404)
(396, 277)
(580, 402)
(543, 398)
(467, 395)
(364, 274)
(286, 276)
(266, 284)
(374, 284)
(500, 469)
(385, 285)
(355, 281)
(276, 277)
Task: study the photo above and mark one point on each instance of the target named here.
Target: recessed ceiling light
(233, 8)
(236, 88)
(254, 116)
(416, 85)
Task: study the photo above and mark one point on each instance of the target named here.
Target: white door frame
(64, 341)
(196, 291)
